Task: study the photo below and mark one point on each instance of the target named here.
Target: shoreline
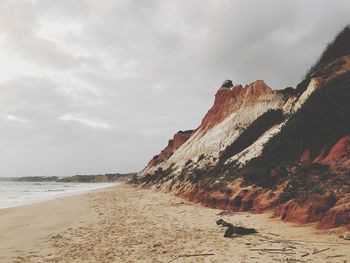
(58, 195)
(126, 224)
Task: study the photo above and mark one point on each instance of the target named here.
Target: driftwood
(336, 256)
(192, 255)
(231, 229)
(223, 223)
(281, 252)
(274, 251)
(319, 251)
(313, 241)
(225, 213)
(270, 249)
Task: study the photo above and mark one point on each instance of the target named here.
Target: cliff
(258, 148)
(179, 138)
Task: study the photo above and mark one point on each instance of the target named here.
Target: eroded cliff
(258, 148)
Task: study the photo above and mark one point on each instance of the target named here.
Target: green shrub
(316, 189)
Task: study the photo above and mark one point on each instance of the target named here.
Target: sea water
(22, 193)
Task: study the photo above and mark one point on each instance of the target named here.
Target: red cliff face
(179, 138)
(306, 157)
(338, 215)
(228, 100)
(312, 211)
(338, 156)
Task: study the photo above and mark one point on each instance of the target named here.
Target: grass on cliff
(340, 46)
(211, 178)
(322, 121)
(156, 177)
(318, 125)
(309, 180)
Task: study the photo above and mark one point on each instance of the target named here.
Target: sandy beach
(126, 224)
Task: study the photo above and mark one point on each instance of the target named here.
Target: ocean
(21, 193)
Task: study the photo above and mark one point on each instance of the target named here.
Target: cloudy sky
(95, 86)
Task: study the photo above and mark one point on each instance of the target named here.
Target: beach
(127, 224)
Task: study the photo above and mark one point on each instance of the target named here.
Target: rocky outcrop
(179, 138)
(226, 101)
(338, 215)
(227, 84)
(229, 100)
(339, 157)
(306, 157)
(312, 211)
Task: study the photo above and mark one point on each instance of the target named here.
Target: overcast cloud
(93, 86)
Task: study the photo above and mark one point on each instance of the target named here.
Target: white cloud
(96, 124)
(11, 117)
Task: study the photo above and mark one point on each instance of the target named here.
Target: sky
(91, 86)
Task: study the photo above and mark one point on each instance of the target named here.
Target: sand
(126, 224)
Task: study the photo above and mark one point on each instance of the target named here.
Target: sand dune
(125, 224)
